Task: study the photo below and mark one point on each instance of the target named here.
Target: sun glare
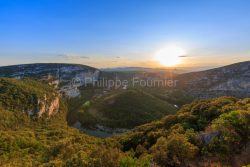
(170, 56)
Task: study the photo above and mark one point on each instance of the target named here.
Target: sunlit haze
(170, 56)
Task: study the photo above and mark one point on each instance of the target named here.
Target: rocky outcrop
(47, 107)
(54, 106)
(209, 136)
(28, 96)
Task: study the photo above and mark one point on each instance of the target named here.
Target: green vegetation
(214, 129)
(32, 141)
(51, 142)
(119, 108)
(124, 109)
(214, 132)
(23, 95)
(172, 96)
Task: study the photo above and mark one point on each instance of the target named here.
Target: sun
(170, 56)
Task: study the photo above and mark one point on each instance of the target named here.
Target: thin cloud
(66, 56)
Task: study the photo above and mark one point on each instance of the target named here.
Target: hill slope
(33, 140)
(66, 77)
(39, 70)
(29, 96)
(231, 80)
(207, 132)
(124, 109)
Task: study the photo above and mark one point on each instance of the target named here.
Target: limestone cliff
(28, 96)
(47, 107)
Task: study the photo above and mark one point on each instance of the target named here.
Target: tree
(173, 150)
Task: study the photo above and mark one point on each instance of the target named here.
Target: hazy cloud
(67, 56)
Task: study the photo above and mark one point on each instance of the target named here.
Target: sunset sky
(112, 33)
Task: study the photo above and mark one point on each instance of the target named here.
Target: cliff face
(28, 96)
(45, 107)
(65, 77)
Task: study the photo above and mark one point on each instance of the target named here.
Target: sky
(112, 33)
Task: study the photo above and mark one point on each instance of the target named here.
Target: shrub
(174, 150)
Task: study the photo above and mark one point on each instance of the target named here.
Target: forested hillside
(46, 140)
(205, 132)
(215, 132)
(124, 109)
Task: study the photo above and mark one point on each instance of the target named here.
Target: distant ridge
(231, 80)
(179, 70)
(36, 69)
(49, 64)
